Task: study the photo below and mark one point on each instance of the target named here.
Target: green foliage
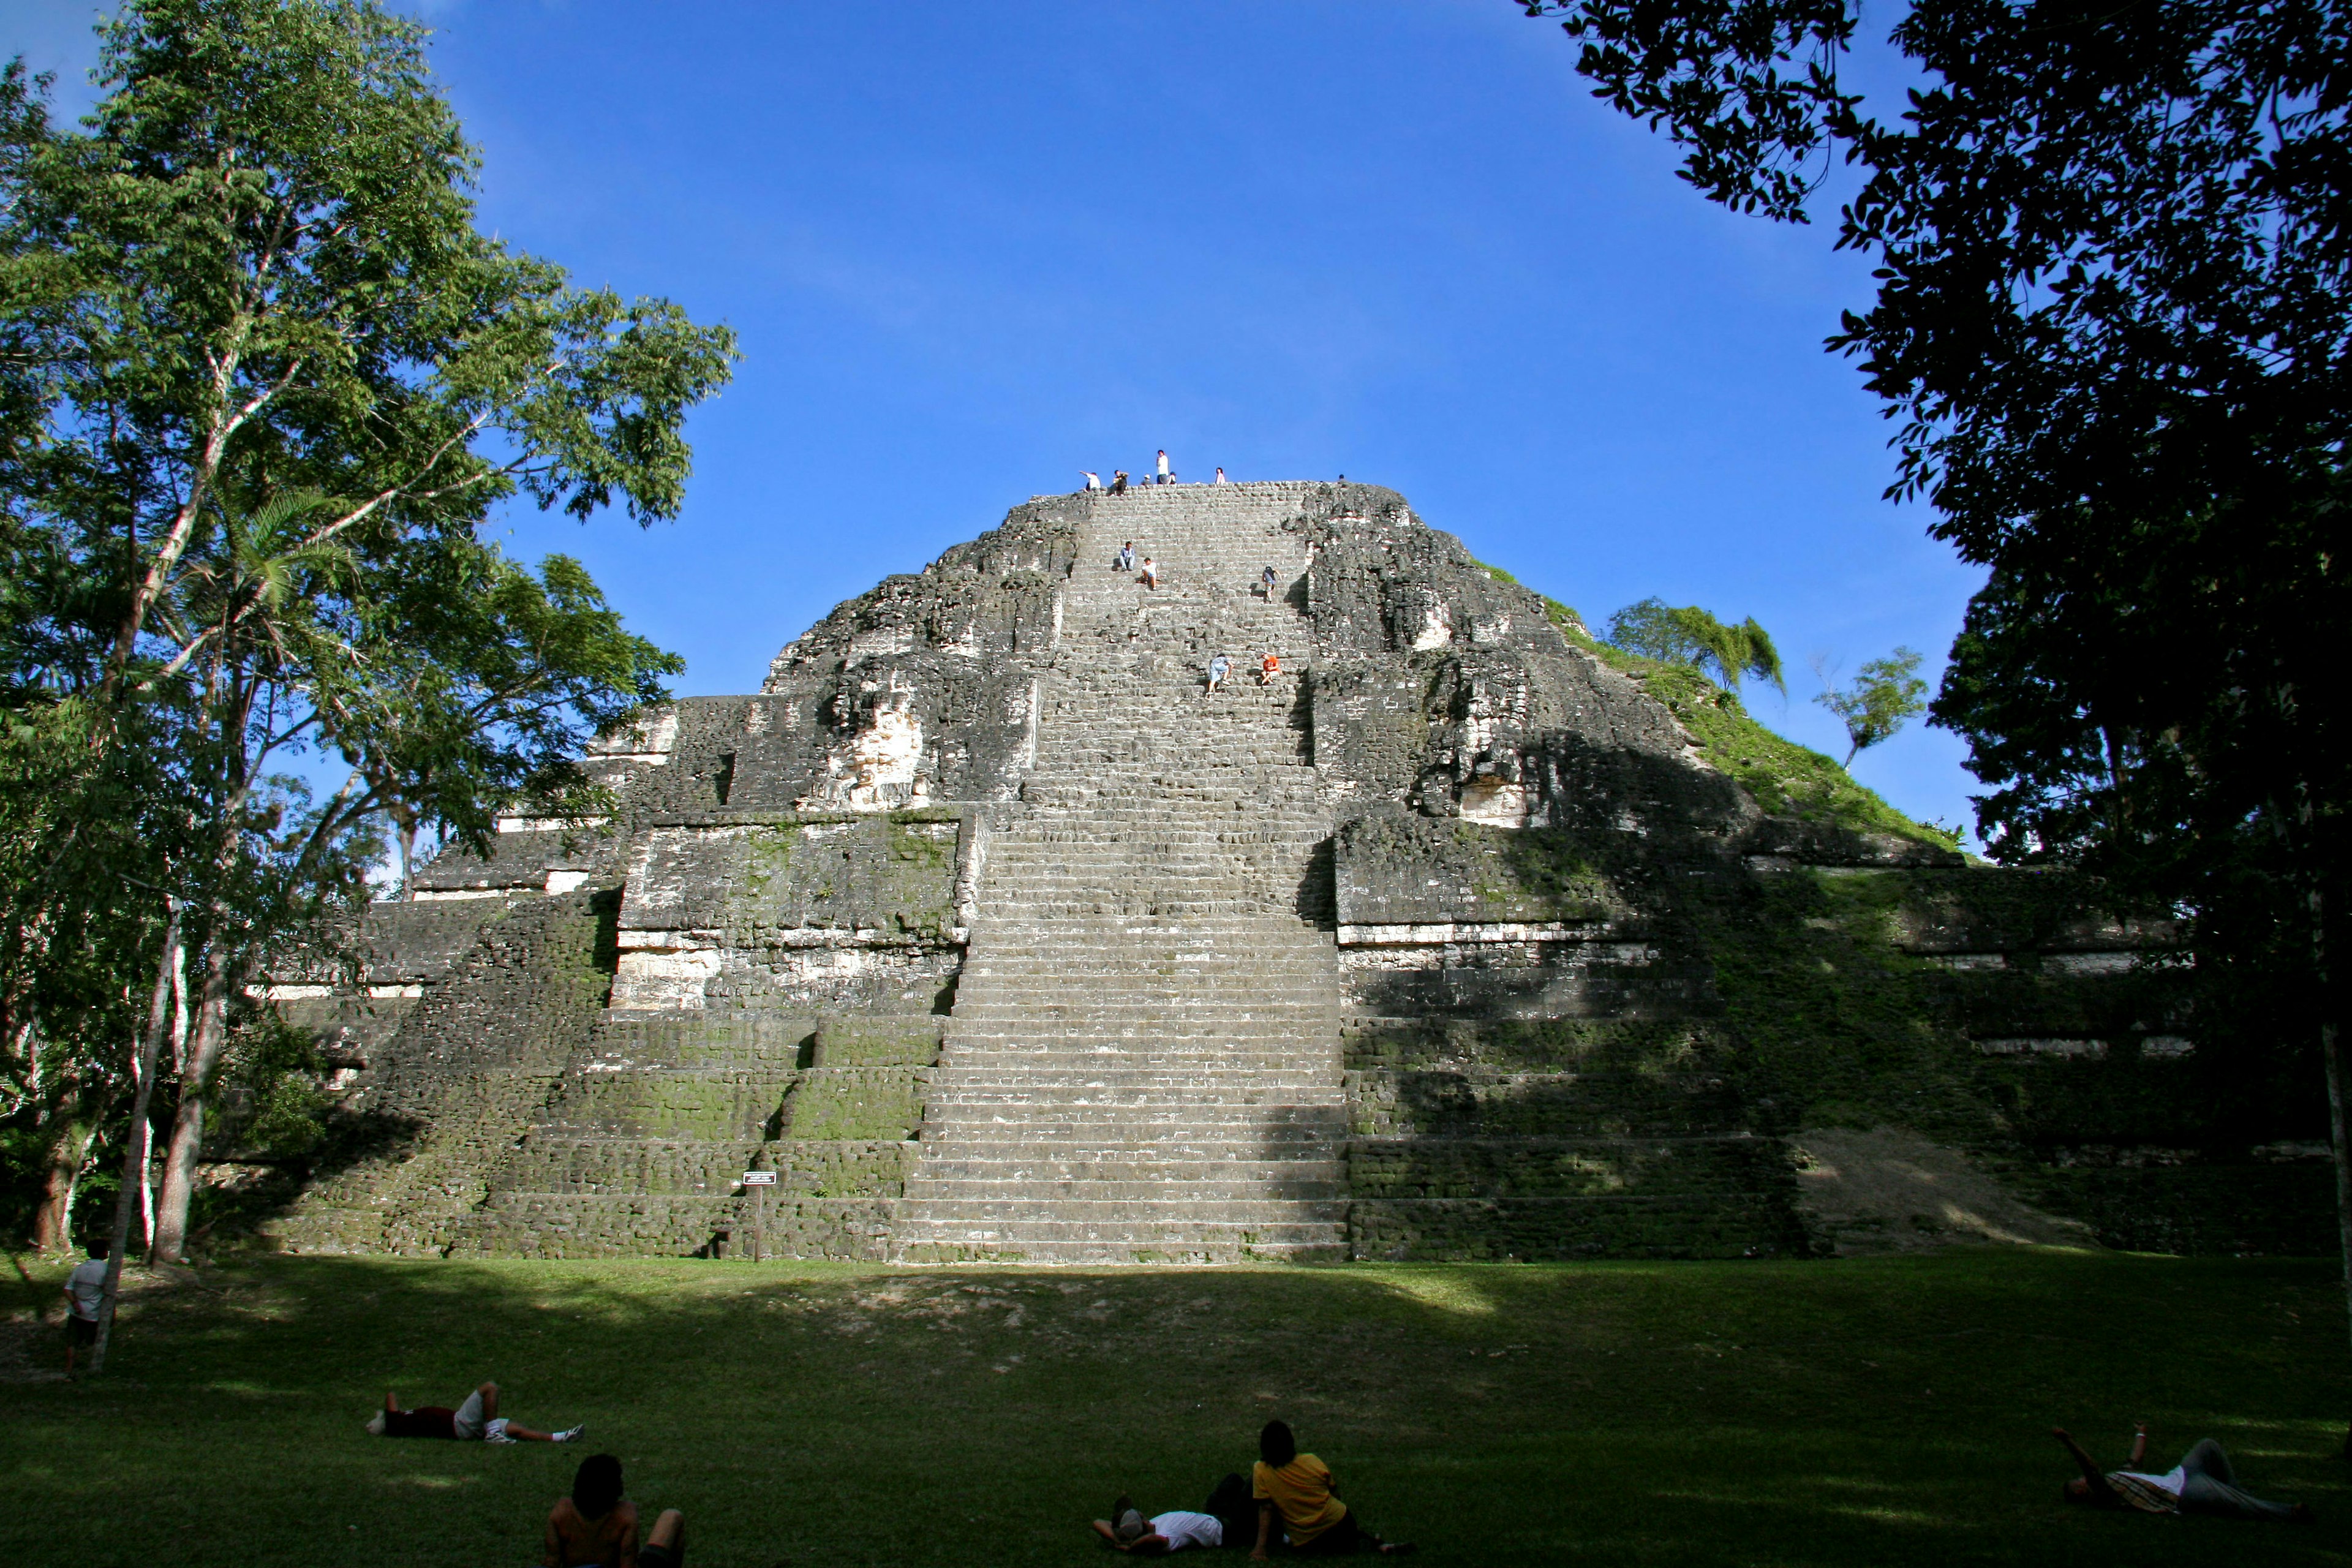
(1688, 635)
(2114, 281)
(1785, 777)
(262, 383)
(1885, 694)
(1861, 1412)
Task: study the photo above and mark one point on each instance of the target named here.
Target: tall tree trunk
(168, 972)
(2339, 1084)
(75, 1123)
(188, 1124)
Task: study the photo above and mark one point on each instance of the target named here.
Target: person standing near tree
(84, 1288)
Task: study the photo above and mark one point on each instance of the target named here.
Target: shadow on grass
(1840, 1413)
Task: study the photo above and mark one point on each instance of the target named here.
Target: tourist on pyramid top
(596, 1527)
(1267, 579)
(1119, 481)
(475, 1420)
(1125, 559)
(1094, 481)
(1299, 1490)
(1225, 1518)
(1219, 668)
(1221, 476)
(1150, 577)
(2202, 1482)
(1164, 475)
(1268, 667)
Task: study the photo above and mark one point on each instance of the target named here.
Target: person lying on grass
(596, 1527)
(1128, 1531)
(476, 1419)
(2201, 1483)
(1298, 1487)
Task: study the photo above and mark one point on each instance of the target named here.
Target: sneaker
(572, 1436)
(497, 1433)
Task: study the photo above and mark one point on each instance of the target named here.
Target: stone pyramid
(987, 932)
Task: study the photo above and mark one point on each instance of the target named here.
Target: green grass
(1785, 777)
(1855, 1412)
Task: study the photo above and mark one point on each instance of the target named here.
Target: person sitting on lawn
(1223, 1518)
(1300, 1489)
(596, 1527)
(2201, 1483)
(478, 1419)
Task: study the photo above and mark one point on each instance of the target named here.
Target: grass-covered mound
(1857, 1412)
(1786, 779)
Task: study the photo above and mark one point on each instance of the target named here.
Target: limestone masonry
(992, 936)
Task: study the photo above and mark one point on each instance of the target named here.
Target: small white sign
(759, 1178)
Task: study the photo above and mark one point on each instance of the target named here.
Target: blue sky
(971, 249)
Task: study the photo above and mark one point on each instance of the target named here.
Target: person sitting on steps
(1299, 1488)
(1119, 481)
(1125, 559)
(1094, 481)
(1150, 577)
(2202, 1482)
(1219, 668)
(1268, 667)
(478, 1419)
(596, 1527)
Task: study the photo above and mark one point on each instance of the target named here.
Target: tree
(1885, 693)
(1691, 635)
(262, 382)
(2113, 325)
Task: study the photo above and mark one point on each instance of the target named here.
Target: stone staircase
(1143, 1064)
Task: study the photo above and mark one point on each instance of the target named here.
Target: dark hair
(597, 1486)
(101, 1247)
(1275, 1445)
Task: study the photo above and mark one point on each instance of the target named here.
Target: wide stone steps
(1143, 1063)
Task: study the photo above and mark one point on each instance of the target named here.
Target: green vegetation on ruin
(1786, 779)
(1857, 1412)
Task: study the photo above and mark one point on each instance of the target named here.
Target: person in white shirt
(1164, 476)
(1094, 481)
(85, 1287)
(1218, 669)
(1221, 476)
(1129, 1531)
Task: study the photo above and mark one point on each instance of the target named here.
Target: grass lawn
(1857, 1412)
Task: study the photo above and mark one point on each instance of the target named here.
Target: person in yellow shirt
(1298, 1487)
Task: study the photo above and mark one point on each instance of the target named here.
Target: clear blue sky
(971, 249)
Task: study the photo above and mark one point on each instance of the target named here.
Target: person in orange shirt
(1298, 1487)
(1268, 667)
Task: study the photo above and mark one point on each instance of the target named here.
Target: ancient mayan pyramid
(991, 934)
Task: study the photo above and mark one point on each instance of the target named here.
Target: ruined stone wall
(1590, 986)
(1593, 984)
